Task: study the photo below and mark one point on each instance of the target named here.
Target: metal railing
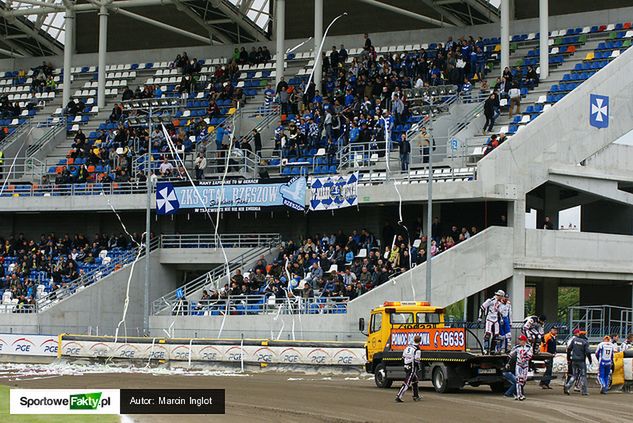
(54, 190)
(261, 304)
(210, 279)
(226, 240)
(17, 308)
(600, 320)
(268, 116)
(28, 171)
(46, 138)
(467, 118)
(89, 278)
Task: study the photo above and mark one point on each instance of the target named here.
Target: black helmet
(542, 318)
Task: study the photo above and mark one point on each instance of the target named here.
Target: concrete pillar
(505, 33)
(516, 289)
(103, 47)
(516, 220)
(544, 30)
(318, 37)
(69, 46)
(280, 37)
(547, 298)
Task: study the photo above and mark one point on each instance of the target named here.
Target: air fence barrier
(208, 351)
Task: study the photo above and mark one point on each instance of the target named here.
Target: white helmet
(500, 292)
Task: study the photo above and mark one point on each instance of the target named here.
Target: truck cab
(399, 315)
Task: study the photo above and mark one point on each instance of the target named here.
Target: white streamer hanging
(400, 219)
(215, 224)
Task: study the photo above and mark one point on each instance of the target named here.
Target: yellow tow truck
(451, 356)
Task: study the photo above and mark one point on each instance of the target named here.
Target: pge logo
(51, 349)
(127, 353)
(101, 352)
(73, 351)
(235, 356)
(211, 355)
(23, 347)
(264, 357)
(318, 356)
(181, 355)
(345, 359)
(157, 355)
(317, 359)
(291, 358)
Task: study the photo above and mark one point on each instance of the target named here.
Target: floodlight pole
(148, 223)
(69, 45)
(103, 46)
(429, 222)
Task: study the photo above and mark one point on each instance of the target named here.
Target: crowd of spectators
(364, 100)
(52, 261)
(339, 265)
(8, 109)
(254, 57)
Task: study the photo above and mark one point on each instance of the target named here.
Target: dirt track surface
(275, 397)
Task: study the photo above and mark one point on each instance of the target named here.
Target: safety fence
(214, 241)
(260, 304)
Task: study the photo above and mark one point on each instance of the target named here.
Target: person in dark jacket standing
(489, 112)
(257, 140)
(405, 152)
(577, 353)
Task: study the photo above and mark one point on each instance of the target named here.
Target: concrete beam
(406, 13)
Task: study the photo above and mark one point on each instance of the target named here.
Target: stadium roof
(140, 24)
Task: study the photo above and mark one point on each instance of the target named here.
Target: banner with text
(234, 195)
(28, 345)
(334, 192)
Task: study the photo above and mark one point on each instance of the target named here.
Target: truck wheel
(440, 379)
(380, 377)
(498, 387)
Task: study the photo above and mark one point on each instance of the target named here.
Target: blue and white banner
(334, 192)
(235, 195)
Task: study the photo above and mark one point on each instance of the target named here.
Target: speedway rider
(490, 310)
(411, 357)
(523, 354)
(604, 354)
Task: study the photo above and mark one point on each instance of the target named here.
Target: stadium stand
(38, 272)
(322, 272)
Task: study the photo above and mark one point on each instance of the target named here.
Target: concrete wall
(99, 307)
(328, 327)
(614, 156)
(573, 252)
(198, 256)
